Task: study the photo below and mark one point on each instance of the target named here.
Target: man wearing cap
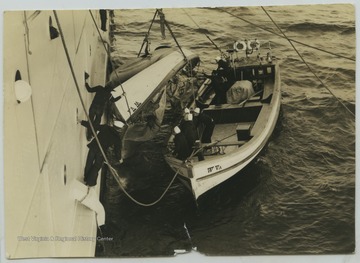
(96, 110)
(182, 150)
(108, 136)
(202, 120)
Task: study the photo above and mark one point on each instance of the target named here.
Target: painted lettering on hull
(214, 168)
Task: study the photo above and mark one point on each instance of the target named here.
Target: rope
(136, 201)
(282, 36)
(112, 65)
(216, 46)
(28, 52)
(209, 145)
(115, 175)
(173, 36)
(148, 33)
(308, 66)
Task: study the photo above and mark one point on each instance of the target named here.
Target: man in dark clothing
(108, 136)
(205, 122)
(102, 95)
(182, 150)
(189, 130)
(103, 18)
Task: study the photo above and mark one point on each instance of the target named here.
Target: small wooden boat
(243, 125)
(144, 103)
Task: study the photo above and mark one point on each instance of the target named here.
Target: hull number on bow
(214, 168)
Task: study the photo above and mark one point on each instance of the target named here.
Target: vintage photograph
(155, 132)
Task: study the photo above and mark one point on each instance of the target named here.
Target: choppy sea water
(298, 196)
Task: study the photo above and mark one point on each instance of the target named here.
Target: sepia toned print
(156, 132)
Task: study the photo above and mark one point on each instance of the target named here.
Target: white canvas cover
(241, 90)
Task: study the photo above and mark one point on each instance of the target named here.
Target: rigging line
(27, 52)
(216, 46)
(115, 175)
(308, 66)
(173, 36)
(77, 86)
(112, 64)
(148, 33)
(279, 35)
(209, 145)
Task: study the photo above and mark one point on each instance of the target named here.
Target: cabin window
(268, 70)
(54, 33)
(261, 72)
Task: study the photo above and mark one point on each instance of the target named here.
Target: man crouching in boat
(108, 136)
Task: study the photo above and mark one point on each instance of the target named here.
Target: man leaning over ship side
(108, 136)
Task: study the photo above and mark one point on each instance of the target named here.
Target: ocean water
(298, 196)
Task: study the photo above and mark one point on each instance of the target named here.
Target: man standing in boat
(204, 122)
(108, 136)
(189, 130)
(96, 110)
(182, 150)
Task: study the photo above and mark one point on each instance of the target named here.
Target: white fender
(254, 44)
(22, 90)
(239, 45)
(88, 197)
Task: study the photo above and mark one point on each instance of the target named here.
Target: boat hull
(44, 145)
(206, 174)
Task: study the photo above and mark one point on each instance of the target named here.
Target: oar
(256, 93)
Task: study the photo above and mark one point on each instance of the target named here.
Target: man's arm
(93, 89)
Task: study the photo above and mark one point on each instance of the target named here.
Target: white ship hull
(44, 146)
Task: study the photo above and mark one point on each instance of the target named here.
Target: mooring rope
(307, 65)
(152, 203)
(282, 36)
(115, 174)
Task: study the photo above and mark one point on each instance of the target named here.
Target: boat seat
(229, 143)
(261, 121)
(268, 91)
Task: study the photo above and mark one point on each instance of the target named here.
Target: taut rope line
(282, 36)
(308, 66)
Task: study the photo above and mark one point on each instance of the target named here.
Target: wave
(311, 26)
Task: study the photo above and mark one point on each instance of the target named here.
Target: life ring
(253, 44)
(239, 45)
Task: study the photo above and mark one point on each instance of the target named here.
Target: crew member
(108, 136)
(102, 95)
(182, 150)
(205, 122)
(189, 130)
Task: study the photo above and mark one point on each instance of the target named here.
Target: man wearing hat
(203, 121)
(96, 110)
(108, 136)
(182, 150)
